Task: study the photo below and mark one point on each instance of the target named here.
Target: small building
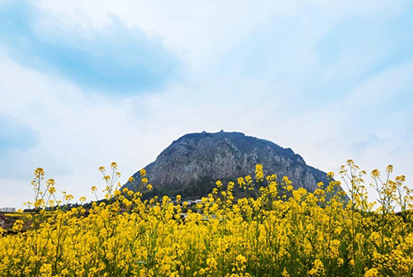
(8, 210)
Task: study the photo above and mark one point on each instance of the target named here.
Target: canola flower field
(277, 231)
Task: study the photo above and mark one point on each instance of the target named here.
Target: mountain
(191, 165)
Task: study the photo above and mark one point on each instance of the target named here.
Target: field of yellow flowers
(277, 231)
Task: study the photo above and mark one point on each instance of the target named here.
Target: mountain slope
(191, 165)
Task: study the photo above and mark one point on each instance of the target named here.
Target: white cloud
(78, 131)
(198, 26)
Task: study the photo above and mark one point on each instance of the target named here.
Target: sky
(85, 83)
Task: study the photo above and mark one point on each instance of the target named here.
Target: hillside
(191, 165)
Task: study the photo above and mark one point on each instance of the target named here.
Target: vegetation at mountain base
(275, 230)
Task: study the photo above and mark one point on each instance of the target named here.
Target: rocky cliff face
(191, 165)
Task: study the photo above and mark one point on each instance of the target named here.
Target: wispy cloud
(115, 59)
(323, 56)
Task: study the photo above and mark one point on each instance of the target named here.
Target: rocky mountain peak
(191, 165)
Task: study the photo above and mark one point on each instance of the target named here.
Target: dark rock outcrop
(191, 165)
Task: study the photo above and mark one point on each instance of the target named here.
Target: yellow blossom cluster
(279, 231)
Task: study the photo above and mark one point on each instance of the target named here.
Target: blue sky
(15, 135)
(83, 83)
(114, 58)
